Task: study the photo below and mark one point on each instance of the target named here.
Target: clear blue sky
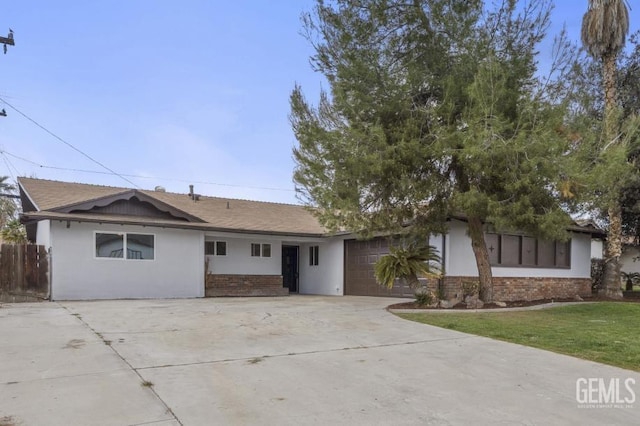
(186, 92)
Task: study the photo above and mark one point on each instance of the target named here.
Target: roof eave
(27, 218)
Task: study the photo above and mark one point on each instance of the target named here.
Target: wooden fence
(24, 273)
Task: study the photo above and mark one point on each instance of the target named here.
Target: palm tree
(408, 263)
(13, 233)
(8, 207)
(605, 26)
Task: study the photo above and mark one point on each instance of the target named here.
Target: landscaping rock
(577, 298)
(470, 299)
(475, 304)
(500, 304)
(448, 304)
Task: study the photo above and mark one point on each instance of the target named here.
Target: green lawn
(603, 332)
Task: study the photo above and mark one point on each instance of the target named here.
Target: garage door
(359, 280)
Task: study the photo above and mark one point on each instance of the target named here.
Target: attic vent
(160, 189)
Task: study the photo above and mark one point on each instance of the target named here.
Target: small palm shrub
(631, 279)
(408, 263)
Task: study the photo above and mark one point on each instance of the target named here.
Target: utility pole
(8, 40)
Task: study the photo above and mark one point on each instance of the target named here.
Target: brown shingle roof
(217, 213)
(49, 194)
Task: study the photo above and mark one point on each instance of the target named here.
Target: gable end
(130, 203)
(131, 207)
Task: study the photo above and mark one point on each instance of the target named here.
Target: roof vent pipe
(191, 191)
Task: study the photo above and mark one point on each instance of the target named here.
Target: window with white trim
(313, 255)
(215, 248)
(260, 250)
(524, 251)
(124, 245)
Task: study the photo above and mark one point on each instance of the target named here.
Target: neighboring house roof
(77, 201)
(589, 225)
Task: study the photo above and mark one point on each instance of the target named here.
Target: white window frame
(215, 247)
(124, 246)
(314, 255)
(261, 250)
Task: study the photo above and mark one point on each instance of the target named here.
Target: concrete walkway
(288, 361)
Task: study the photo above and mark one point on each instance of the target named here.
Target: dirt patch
(8, 421)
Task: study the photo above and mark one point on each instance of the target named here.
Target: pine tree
(435, 109)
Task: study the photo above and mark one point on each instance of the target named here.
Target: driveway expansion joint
(142, 379)
(291, 354)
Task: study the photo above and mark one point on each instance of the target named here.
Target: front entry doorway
(290, 268)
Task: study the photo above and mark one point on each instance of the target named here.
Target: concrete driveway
(288, 361)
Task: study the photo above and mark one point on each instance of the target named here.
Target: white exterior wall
(460, 260)
(597, 248)
(239, 261)
(327, 277)
(628, 264)
(43, 234)
(177, 270)
(437, 241)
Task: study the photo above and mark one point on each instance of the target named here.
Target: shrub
(597, 274)
(424, 298)
(470, 288)
(630, 279)
(408, 263)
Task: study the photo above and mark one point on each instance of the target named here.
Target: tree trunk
(476, 232)
(610, 97)
(611, 279)
(412, 281)
(611, 284)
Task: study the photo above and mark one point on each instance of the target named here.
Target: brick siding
(218, 285)
(509, 289)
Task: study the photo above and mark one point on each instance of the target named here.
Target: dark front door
(290, 268)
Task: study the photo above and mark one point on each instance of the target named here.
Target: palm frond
(605, 26)
(407, 263)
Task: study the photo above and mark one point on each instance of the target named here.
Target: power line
(6, 153)
(6, 162)
(66, 143)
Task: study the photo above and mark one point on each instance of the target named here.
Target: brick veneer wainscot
(509, 289)
(219, 285)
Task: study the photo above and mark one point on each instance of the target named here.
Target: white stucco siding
(460, 260)
(43, 234)
(597, 248)
(327, 277)
(629, 260)
(438, 242)
(238, 260)
(177, 270)
(459, 257)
